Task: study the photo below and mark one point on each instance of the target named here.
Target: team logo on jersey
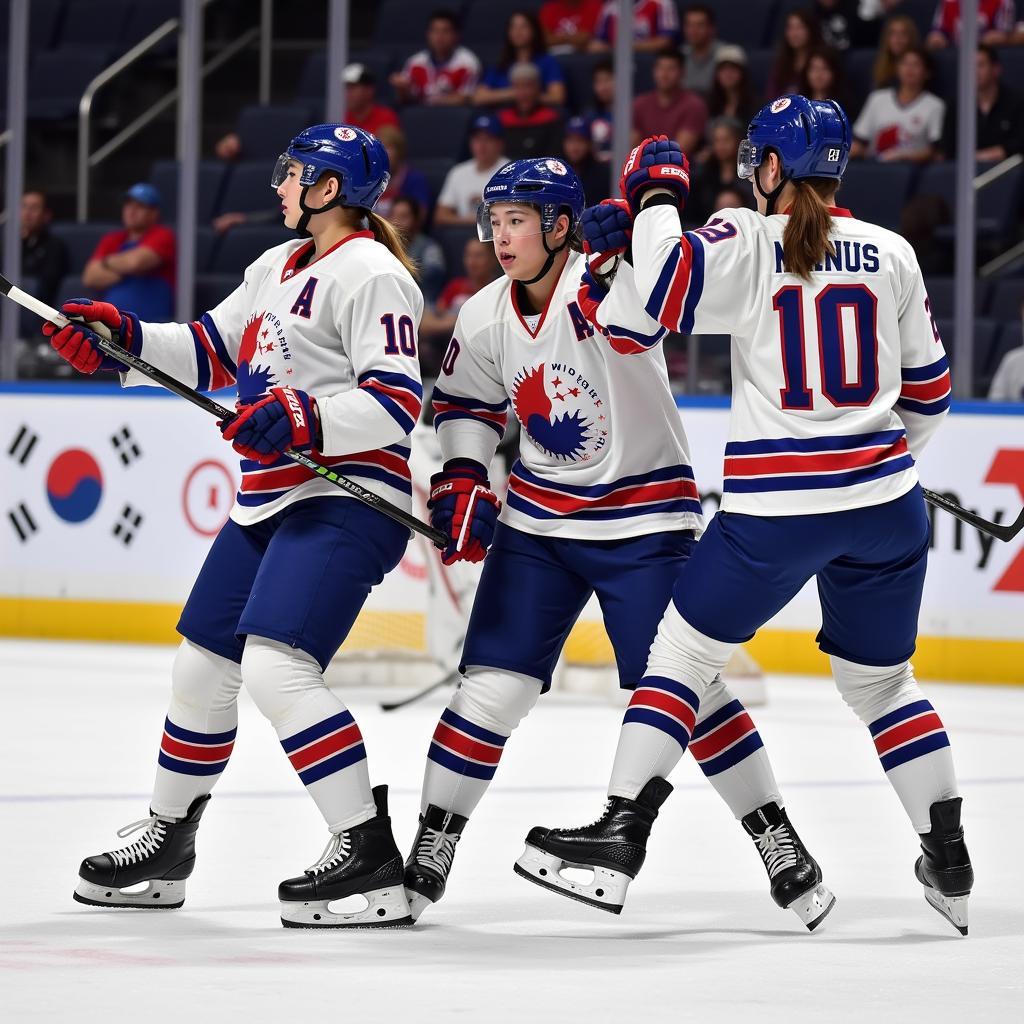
(560, 411)
(780, 104)
(262, 340)
(344, 134)
(556, 167)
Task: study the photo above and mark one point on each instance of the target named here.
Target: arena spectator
(579, 154)
(904, 122)
(134, 267)
(602, 82)
(837, 19)
(734, 197)
(717, 171)
(898, 36)
(464, 183)
(532, 128)
(43, 255)
(655, 25)
(408, 216)
(1008, 383)
(670, 109)
(1000, 113)
(823, 78)
(405, 180)
(443, 74)
(524, 44)
(569, 24)
(700, 47)
(871, 17)
(800, 35)
(732, 92)
(996, 22)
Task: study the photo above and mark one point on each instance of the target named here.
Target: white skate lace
(590, 824)
(776, 848)
(436, 849)
(146, 846)
(335, 852)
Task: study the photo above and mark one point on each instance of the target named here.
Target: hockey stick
(439, 539)
(1001, 531)
(419, 694)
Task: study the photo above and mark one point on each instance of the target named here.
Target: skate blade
(385, 908)
(158, 895)
(813, 906)
(606, 891)
(952, 908)
(417, 903)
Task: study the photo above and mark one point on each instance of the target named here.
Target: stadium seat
(164, 174)
(313, 80)
(578, 69)
(1012, 60)
(402, 24)
(146, 16)
(452, 240)
(860, 68)
(42, 25)
(485, 20)
(248, 188)
(71, 287)
(211, 289)
(941, 294)
(206, 242)
(435, 170)
(435, 131)
(752, 29)
(875, 191)
(97, 24)
(1007, 298)
(985, 331)
(1008, 337)
(241, 245)
(996, 205)
(266, 130)
(759, 64)
(81, 239)
(57, 79)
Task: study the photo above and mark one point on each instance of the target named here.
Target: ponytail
(805, 241)
(385, 233)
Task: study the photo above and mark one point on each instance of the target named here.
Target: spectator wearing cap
(569, 24)
(670, 109)
(700, 46)
(524, 44)
(1000, 113)
(464, 183)
(443, 74)
(997, 20)
(44, 256)
(655, 25)
(578, 151)
(732, 92)
(405, 180)
(133, 268)
(532, 127)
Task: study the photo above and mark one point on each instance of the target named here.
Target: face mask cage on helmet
(548, 218)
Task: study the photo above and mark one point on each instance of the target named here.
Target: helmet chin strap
(302, 228)
(550, 261)
(773, 196)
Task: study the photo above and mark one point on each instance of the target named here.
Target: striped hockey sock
(190, 763)
(656, 729)
(461, 762)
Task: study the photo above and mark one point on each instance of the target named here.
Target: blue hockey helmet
(811, 137)
(543, 182)
(355, 157)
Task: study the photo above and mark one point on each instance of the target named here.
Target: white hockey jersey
(838, 382)
(602, 452)
(342, 328)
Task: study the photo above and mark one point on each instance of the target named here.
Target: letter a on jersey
(304, 303)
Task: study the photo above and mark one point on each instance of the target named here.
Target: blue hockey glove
(463, 505)
(263, 430)
(657, 162)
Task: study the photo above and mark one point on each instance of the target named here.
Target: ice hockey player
(321, 338)
(839, 381)
(601, 501)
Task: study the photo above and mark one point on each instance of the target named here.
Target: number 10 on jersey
(834, 342)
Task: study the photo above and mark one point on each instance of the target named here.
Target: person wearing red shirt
(670, 109)
(445, 73)
(361, 108)
(996, 22)
(531, 127)
(133, 267)
(569, 24)
(655, 25)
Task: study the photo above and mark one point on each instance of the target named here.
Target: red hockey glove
(462, 504)
(76, 344)
(263, 430)
(656, 162)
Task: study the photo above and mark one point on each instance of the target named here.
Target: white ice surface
(699, 940)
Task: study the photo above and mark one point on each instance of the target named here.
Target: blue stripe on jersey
(468, 403)
(657, 299)
(654, 476)
(920, 373)
(202, 361)
(679, 505)
(837, 442)
(394, 410)
(394, 380)
(696, 288)
(925, 408)
(218, 344)
(753, 485)
(647, 340)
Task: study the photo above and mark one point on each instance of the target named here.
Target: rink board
(110, 502)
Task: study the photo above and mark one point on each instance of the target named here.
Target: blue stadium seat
(248, 188)
(42, 24)
(943, 82)
(1012, 60)
(241, 245)
(922, 11)
(1007, 298)
(206, 242)
(941, 295)
(265, 131)
(164, 174)
(403, 24)
(997, 205)
(71, 287)
(435, 131)
(145, 17)
(211, 289)
(452, 240)
(57, 79)
(860, 68)
(313, 80)
(752, 29)
(97, 24)
(876, 192)
(759, 64)
(435, 170)
(81, 239)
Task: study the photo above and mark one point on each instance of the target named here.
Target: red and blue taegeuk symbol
(563, 423)
(254, 381)
(74, 485)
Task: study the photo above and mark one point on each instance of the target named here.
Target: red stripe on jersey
(672, 310)
(817, 463)
(906, 731)
(292, 476)
(406, 399)
(499, 418)
(926, 391)
(195, 751)
(638, 494)
(466, 746)
(333, 744)
(725, 735)
(625, 346)
(645, 697)
(220, 377)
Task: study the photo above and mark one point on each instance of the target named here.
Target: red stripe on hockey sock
(333, 744)
(195, 751)
(898, 734)
(466, 746)
(644, 697)
(725, 735)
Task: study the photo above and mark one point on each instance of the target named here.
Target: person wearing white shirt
(464, 184)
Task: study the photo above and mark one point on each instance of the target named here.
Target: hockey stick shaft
(1000, 531)
(419, 694)
(439, 539)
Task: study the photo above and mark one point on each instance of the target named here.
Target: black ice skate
(944, 867)
(794, 874)
(361, 861)
(163, 857)
(426, 870)
(613, 848)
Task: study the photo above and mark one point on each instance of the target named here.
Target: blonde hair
(885, 64)
(805, 240)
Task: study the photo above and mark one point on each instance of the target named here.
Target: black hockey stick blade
(452, 677)
(1000, 531)
(438, 538)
